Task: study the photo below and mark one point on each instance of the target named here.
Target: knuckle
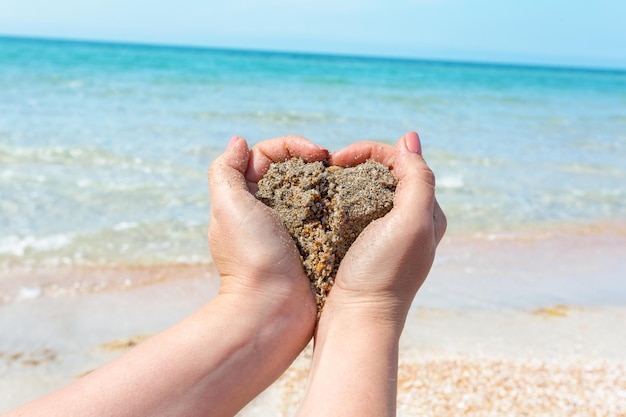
(427, 175)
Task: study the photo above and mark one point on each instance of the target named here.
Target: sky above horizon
(548, 32)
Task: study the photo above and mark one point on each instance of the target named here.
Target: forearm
(210, 364)
(354, 370)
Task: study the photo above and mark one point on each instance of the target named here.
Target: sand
(448, 385)
(504, 325)
(325, 209)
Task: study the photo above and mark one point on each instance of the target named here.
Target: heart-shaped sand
(325, 209)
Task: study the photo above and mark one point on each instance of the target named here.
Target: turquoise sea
(104, 147)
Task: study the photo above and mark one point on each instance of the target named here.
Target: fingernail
(232, 142)
(413, 143)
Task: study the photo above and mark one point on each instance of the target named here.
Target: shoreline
(51, 340)
(30, 283)
(540, 311)
(526, 270)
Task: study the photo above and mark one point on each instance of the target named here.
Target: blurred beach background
(104, 205)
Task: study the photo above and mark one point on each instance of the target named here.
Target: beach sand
(477, 363)
(503, 326)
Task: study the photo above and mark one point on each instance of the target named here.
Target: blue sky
(552, 32)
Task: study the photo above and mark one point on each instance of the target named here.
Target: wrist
(384, 313)
(267, 316)
(355, 356)
(269, 296)
(241, 339)
(359, 327)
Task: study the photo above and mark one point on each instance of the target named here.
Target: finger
(227, 171)
(415, 192)
(281, 149)
(362, 151)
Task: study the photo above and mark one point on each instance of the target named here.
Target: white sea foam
(18, 246)
(125, 226)
(451, 181)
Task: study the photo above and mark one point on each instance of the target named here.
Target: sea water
(104, 148)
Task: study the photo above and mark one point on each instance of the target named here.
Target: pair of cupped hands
(259, 263)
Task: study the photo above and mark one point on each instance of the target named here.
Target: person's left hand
(250, 246)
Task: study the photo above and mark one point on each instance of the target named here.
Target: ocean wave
(592, 169)
(125, 226)
(20, 245)
(281, 117)
(86, 157)
(126, 243)
(101, 151)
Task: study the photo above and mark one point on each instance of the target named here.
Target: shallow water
(104, 147)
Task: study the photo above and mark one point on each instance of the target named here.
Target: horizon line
(445, 61)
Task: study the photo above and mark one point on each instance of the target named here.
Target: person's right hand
(389, 261)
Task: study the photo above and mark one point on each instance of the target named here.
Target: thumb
(227, 172)
(415, 192)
